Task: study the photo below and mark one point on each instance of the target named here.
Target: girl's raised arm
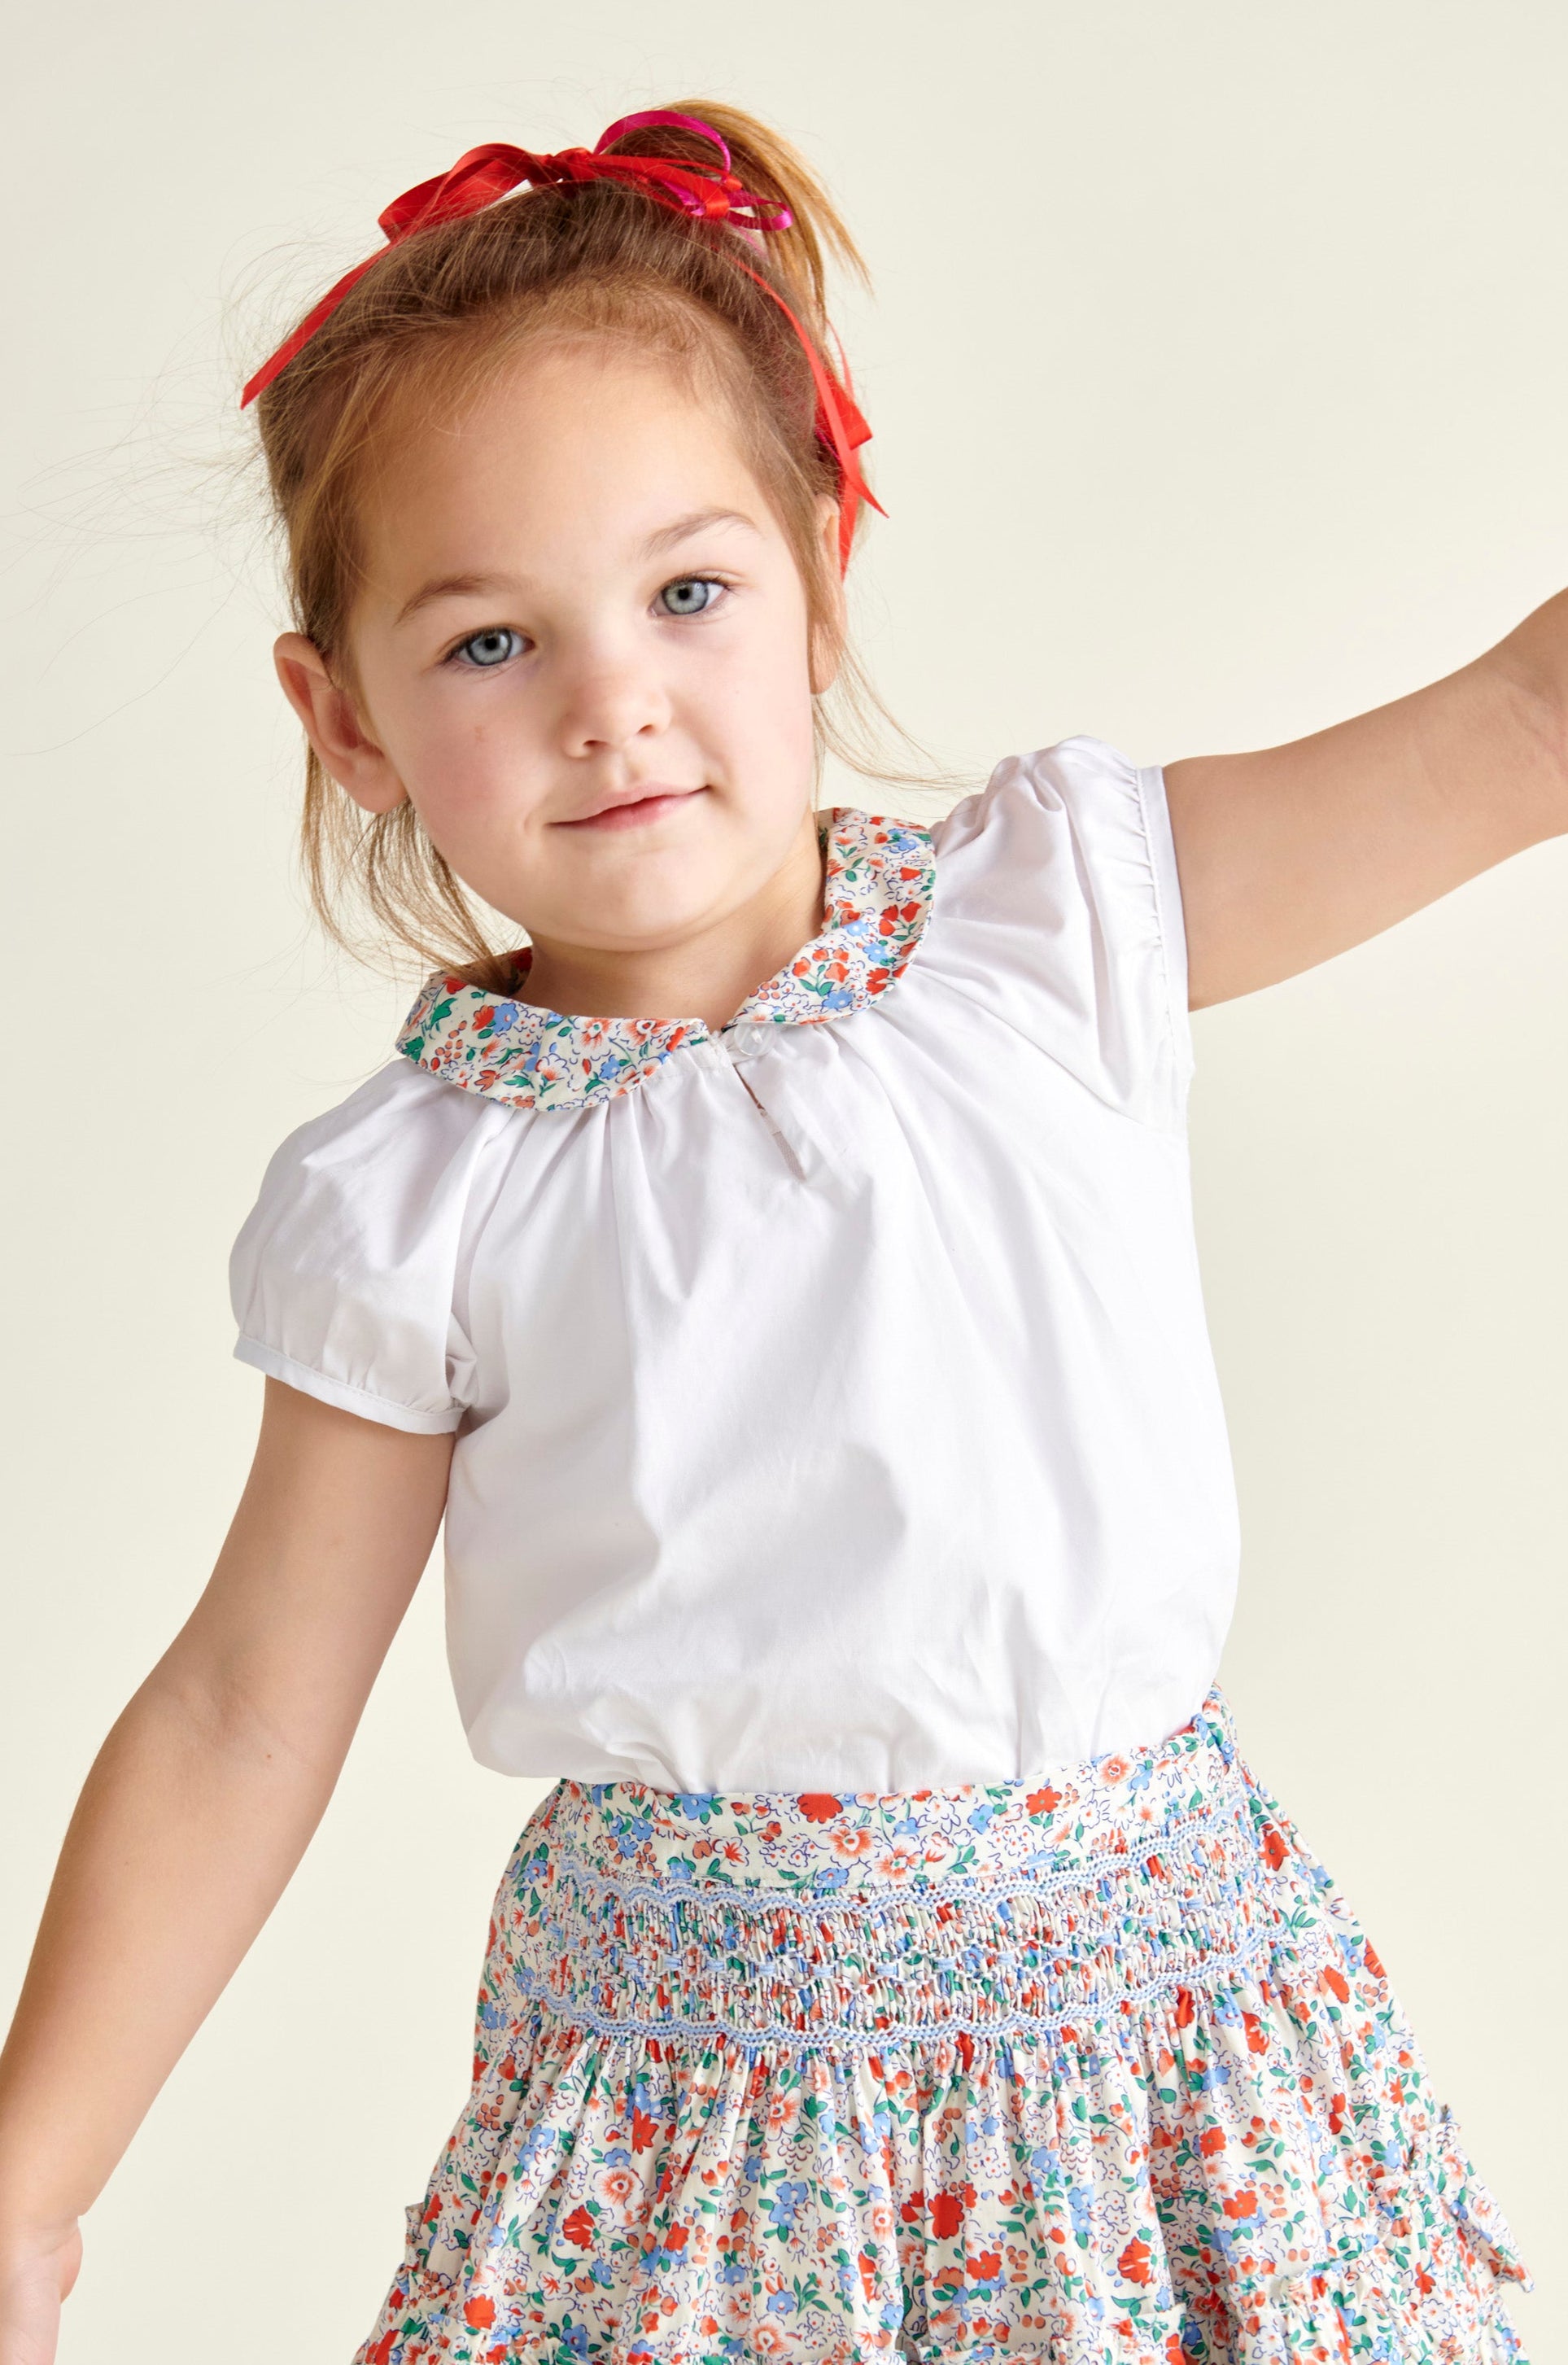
(1290, 854)
(197, 1807)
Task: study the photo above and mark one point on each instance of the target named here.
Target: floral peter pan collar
(877, 876)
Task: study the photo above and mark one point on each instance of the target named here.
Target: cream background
(1218, 373)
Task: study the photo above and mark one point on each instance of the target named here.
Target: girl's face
(581, 649)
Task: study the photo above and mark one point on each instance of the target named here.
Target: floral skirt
(1098, 2067)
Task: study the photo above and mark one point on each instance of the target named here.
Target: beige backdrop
(1217, 371)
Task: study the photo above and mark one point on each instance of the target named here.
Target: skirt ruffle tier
(1100, 2070)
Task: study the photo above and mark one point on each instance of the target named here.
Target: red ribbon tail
(836, 412)
(307, 330)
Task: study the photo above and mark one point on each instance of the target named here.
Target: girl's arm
(1295, 853)
(197, 1807)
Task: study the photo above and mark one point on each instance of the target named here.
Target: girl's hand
(38, 2265)
(1294, 854)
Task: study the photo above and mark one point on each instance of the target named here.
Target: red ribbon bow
(487, 173)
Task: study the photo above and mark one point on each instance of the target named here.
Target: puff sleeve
(1061, 909)
(346, 1277)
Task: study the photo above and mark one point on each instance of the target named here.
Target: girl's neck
(707, 976)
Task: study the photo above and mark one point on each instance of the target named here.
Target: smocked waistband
(834, 1918)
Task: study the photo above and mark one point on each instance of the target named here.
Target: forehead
(570, 448)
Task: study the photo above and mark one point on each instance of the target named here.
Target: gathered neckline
(879, 876)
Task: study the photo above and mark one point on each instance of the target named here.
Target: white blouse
(833, 1401)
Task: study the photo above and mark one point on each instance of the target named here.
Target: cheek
(761, 702)
(469, 742)
(468, 770)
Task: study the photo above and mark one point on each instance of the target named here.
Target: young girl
(779, 1273)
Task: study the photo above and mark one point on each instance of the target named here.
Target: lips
(634, 808)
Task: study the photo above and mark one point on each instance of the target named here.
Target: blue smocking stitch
(827, 2036)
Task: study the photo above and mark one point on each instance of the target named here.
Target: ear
(332, 726)
(828, 641)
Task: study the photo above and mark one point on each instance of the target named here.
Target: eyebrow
(453, 587)
(478, 587)
(695, 522)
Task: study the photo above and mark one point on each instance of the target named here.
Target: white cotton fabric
(867, 1440)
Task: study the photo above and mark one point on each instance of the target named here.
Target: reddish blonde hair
(441, 312)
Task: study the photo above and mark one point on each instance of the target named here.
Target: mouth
(635, 809)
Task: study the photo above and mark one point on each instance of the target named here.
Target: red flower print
(1273, 1846)
(1338, 1981)
(643, 2129)
(1240, 2204)
(966, 2048)
(986, 2265)
(1257, 2034)
(1210, 2141)
(1133, 2266)
(1043, 1802)
(577, 2228)
(480, 2313)
(819, 1805)
(1185, 2008)
(1115, 1769)
(1338, 2114)
(676, 2239)
(1374, 1961)
(946, 2214)
(910, 2210)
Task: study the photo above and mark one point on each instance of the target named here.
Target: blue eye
(490, 648)
(678, 596)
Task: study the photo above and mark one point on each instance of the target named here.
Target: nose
(610, 698)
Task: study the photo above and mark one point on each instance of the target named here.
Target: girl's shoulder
(1080, 802)
(1057, 901)
(397, 1133)
(345, 1275)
